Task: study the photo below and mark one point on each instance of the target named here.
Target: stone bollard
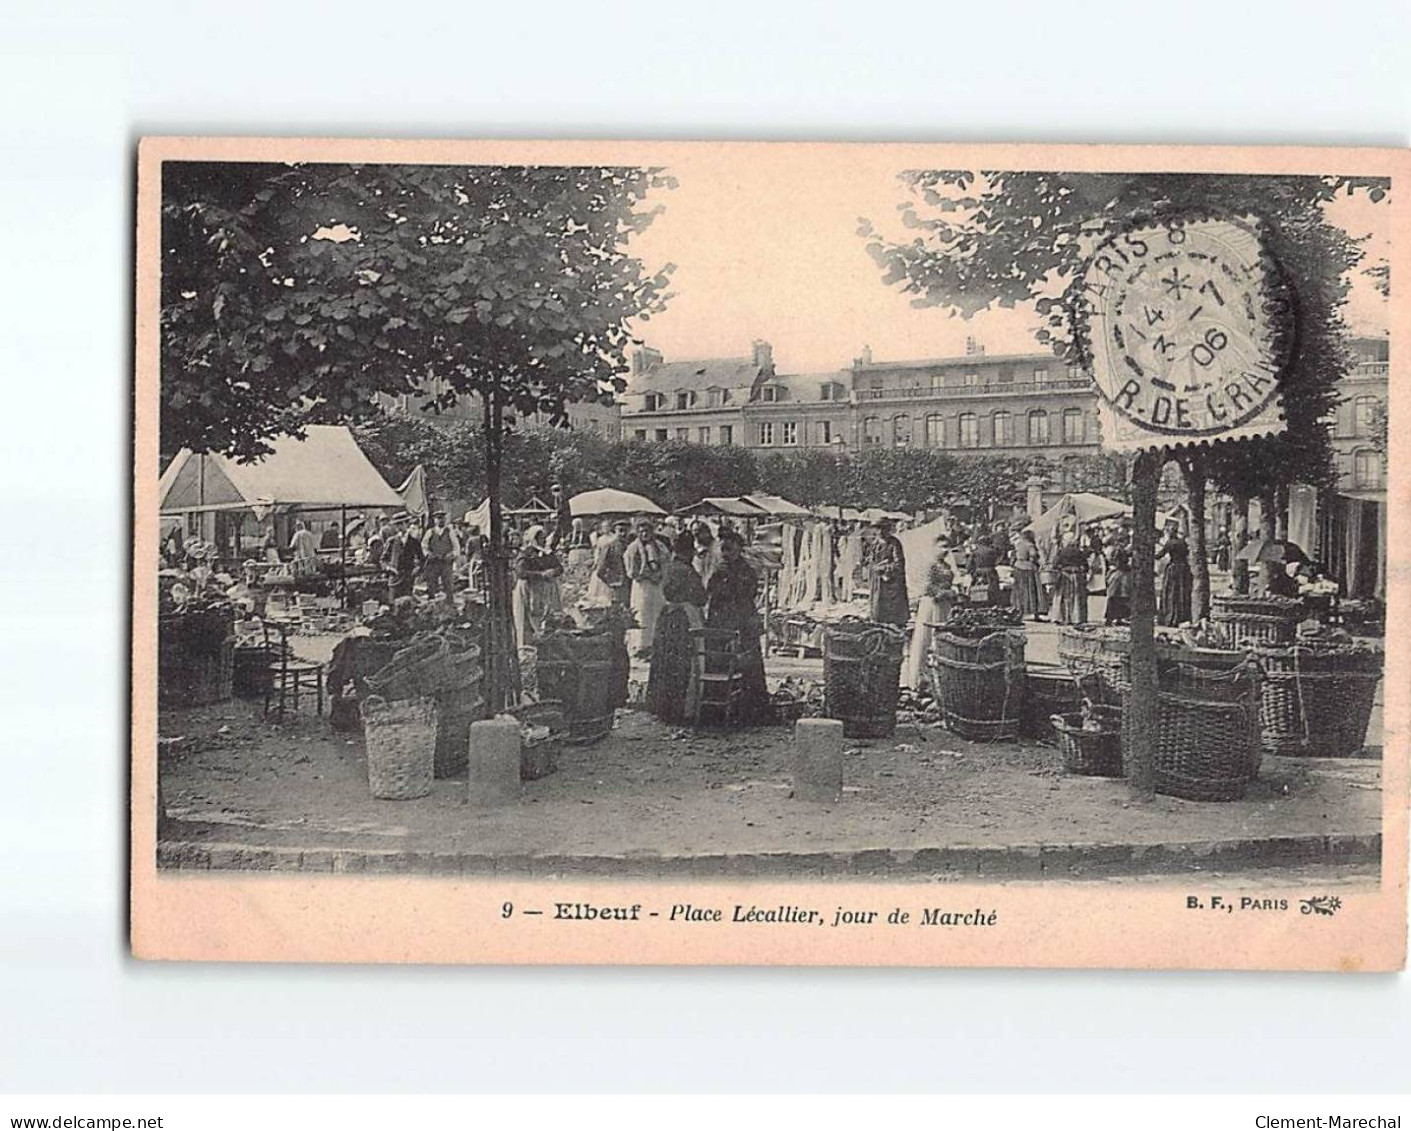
(817, 760)
(494, 762)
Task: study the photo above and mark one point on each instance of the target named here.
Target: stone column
(817, 760)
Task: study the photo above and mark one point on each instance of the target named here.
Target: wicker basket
(1095, 753)
(580, 670)
(979, 682)
(1100, 652)
(1317, 698)
(1207, 736)
(1048, 691)
(862, 676)
(455, 711)
(1250, 621)
(401, 747)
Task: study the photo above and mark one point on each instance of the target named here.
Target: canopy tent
(1082, 505)
(325, 471)
(838, 513)
(726, 507)
(607, 501)
(777, 506)
(415, 496)
(877, 514)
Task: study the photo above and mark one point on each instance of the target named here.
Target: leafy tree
(1004, 238)
(296, 293)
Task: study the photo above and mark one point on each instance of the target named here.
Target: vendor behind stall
(304, 547)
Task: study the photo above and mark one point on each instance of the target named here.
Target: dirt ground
(230, 774)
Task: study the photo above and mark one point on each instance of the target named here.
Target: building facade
(1015, 405)
(1360, 422)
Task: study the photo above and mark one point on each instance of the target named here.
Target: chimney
(762, 353)
(866, 358)
(643, 358)
(973, 348)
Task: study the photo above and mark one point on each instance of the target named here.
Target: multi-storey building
(702, 401)
(1361, 466)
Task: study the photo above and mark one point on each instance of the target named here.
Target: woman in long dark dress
(1071, 594)
(730, 605)
(1026, 596)
(1175, 604)
(887, 577)
(669, 687)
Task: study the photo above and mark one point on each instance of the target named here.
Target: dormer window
(830, 391)
(654, 402)
(685, 400)
(771, 393)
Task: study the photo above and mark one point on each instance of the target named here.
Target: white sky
(767, 248)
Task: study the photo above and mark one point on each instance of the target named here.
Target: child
(1119, 587)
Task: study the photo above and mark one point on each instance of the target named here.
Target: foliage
(676, 473)
(1004, 238)
(293, 293)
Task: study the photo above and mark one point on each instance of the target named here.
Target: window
(725, 396)
(1367, 470)
(969, 430)
(661, 435)
(1041, 375)
(1072, 426)
(972, 378)
(654, 402)
(771, 393)
(872, 430)
(1038, 428)
(727, 434)
(713, 397)
(1366, 408)
(790, 429)
(830, 391)
(766, 434)
(703, 435)
(825, 431)
(685, 400)
(901, 430)
(683, 433)
(935, 430)
(640, 434)
(1003, 428)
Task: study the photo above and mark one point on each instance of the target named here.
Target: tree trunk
(1140, 722)
(501, 665)
(1193, 468)
(1239, 538)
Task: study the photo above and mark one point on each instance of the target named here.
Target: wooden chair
(718, 675)
(288, 675)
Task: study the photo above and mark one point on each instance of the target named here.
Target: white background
(80, 82)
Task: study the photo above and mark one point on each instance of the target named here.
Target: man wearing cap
(440, 549)
(404, 557)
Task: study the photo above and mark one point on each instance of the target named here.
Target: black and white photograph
(636, 520)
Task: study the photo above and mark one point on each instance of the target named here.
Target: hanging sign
(1180, 336)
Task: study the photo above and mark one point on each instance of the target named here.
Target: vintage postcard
(755, 553)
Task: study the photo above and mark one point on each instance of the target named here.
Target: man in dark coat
(887, 572)
(404, 557)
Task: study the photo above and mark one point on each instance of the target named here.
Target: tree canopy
(296, 293)
(1000, 239)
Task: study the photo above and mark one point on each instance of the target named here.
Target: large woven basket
(1095, 753)
(1049, 691)
(980, 682)
(1094, 651)
(455, 711)
(1245, 621)
(401, 747)
(862, 676)
(1207, 734)
(580, 671)
(1317, 698)
(540, 757)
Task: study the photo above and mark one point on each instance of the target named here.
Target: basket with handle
(1207, 734)
(1245, 621)
(979, 682)
(400, 738)
(1088, 749)
(1317, 698)
(862, 676)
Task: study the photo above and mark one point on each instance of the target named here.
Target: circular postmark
(1178, 328)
